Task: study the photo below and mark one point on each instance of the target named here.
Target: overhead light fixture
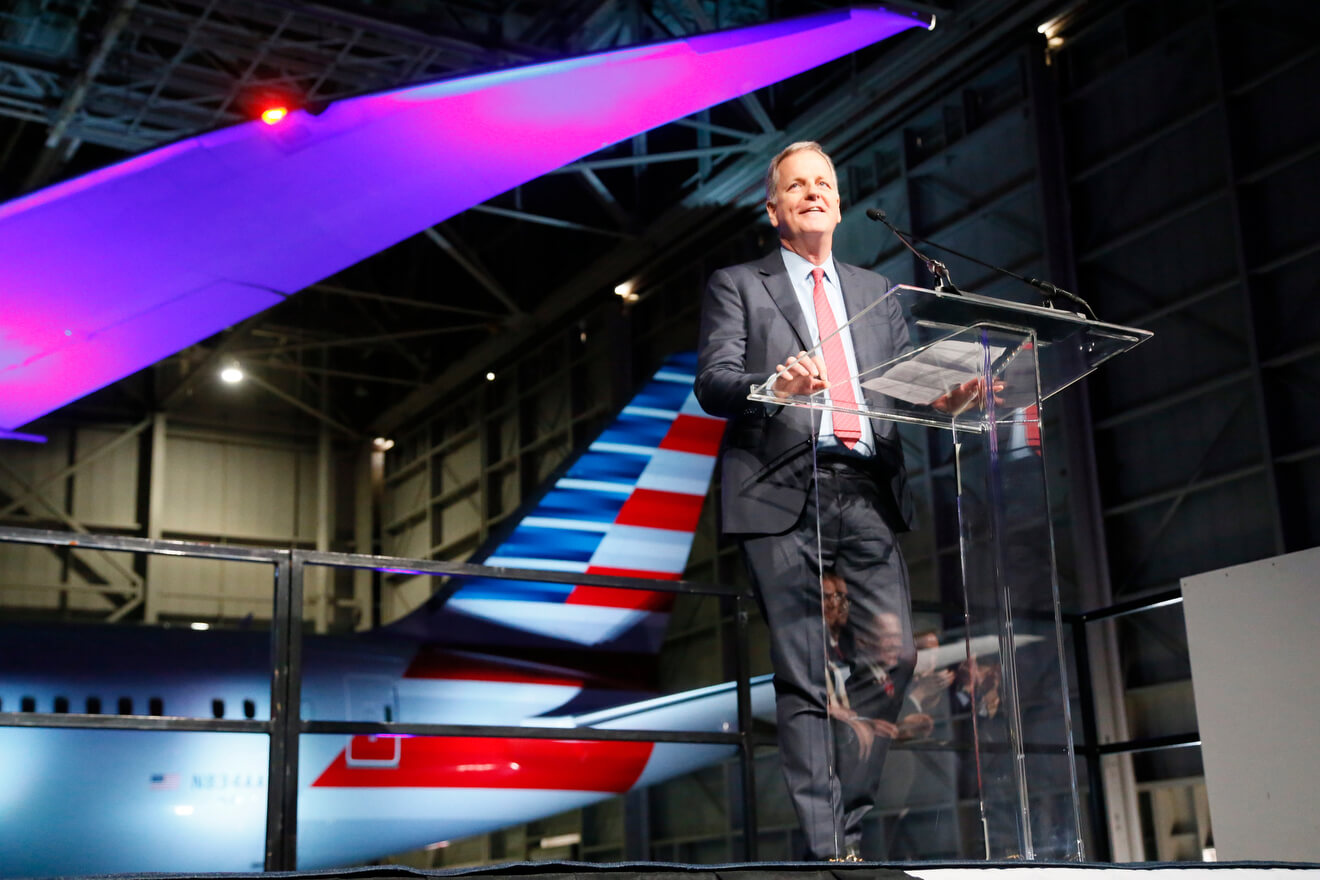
(199, 625)
(382, 444)
(272, 115)
(232, 374)
(1049, 29)
(627, 291)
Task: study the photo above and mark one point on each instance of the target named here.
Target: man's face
(807, 200)
(890, 633)
(926, 644)
(834, 594)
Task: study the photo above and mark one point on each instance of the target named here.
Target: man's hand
(932, 684)
(916, 726)
(884, 728)
(799, 375)
(967, 395)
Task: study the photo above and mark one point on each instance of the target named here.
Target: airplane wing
(112, 271)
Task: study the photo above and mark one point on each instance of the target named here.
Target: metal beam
(82, 461)
(134, 581)
(305, 407)
(339, 374)
(546, 221)
(77, 96)
(1264, 434)
(602, 194)
(654, 158)
(359, 340)
(1193, 483)
(401, 300)
(475, 269)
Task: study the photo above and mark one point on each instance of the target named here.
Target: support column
(320, 580)
(364, 535)
(1071, 412)
(153, 519)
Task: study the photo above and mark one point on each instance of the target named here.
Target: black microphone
(934, 267)
(1048, 291)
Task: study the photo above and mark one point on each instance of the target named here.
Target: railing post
(285, 721)
(747, 746)
(1095, 780)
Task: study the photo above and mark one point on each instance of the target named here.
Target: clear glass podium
(961, 732)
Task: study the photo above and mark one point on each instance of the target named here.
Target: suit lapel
(780, 288)
(855, 300)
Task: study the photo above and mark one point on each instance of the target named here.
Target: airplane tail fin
(627, 506)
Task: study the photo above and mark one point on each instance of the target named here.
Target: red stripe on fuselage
(616, 597)
(698, 434)
(439, 664)
(655, 509)
(483, 762)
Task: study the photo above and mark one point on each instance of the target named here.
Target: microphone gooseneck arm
(934, 267)
(1048, 292)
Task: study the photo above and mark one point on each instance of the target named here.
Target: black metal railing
(284, 725)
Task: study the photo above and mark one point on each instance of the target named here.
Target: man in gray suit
(808, 493)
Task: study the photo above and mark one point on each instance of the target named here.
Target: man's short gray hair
(772, 173)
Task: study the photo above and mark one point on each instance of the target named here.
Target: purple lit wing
(112, 271)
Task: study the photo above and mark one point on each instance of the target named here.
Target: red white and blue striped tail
(627, 507)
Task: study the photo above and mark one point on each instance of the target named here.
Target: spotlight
(624, 290)
(382, 444)
(232, 374)
(272, 115)
(199, 625)
(490, 377)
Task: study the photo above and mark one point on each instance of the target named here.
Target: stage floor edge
(797, 871)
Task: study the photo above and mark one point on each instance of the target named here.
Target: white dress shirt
(799, 272)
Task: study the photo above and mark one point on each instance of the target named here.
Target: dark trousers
(842, 529)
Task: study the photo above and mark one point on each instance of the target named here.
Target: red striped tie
(847, 427)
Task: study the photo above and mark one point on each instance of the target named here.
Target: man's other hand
(800, 375)
(967, 395)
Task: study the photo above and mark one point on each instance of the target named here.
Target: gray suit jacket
(750, 322)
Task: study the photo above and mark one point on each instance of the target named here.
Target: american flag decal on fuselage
(628, 507)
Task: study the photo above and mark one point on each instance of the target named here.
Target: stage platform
(800, 871)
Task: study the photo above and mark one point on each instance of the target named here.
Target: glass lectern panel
(907, 385)
(953, 743)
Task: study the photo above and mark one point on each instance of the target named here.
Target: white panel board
(105, 490)
(209, 589)
(1251, 633)
(256, 491)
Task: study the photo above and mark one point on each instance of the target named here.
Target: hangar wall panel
(253, 491)
(105, 490)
